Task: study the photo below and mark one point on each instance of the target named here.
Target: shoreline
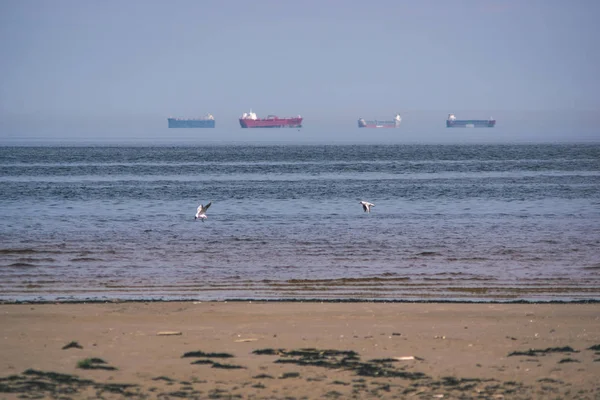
(308, 301)
(300, 349)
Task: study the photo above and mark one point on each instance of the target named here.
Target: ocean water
(450, 222)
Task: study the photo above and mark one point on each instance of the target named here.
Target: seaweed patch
(72, 345)
(207, 355)
(39, 384)
(538, 352)
(94, 363)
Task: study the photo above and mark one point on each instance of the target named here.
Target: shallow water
(451, 222)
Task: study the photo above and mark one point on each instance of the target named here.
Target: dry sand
(361, 350)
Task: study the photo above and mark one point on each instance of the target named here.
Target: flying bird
(367, 206)
(201, 211)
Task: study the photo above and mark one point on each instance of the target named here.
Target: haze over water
(491, 222)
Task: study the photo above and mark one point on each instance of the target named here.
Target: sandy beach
(295, 350)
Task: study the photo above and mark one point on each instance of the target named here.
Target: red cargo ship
(250, 120)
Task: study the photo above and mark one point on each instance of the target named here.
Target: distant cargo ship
(206, 122)
(452, 122)
(250, 120)
(395, 123)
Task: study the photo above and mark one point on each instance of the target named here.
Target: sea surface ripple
(451, 222)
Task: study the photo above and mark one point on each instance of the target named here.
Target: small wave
(18, 251)
(344, 280)
(428, 253)
(35, 260)
(85, 259)
(592, 267)
(507, 252)
(467, 259)
(32, 286)
(22, 265)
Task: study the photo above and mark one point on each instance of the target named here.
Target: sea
(456, 223)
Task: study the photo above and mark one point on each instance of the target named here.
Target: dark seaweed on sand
(163, 378)
(40, 384)
(568, 360)
(384, 368)
(550, 380)
(337, 359)
(72, 345)
(595, 347)
(226, 366)
(268, 352)
(383, 360)
(262, 376)
(287, 375)
(203, 362)
(207, 355)
(94, 363)
(538, 352)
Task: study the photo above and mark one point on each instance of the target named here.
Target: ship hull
(378, 124)
(271, 123)
(471, 123)
(191, 123)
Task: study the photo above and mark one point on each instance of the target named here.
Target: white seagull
(201, 211)
(367, 206)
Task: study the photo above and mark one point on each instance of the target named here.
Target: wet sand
(294, 350)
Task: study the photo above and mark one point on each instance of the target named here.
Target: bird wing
(202, 208)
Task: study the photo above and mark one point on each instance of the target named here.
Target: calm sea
(450, 222)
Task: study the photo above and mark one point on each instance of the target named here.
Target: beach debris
(245, 340)
(404, 358)
(595, 347)
(169, 333)
(72, 345)
(94, 363)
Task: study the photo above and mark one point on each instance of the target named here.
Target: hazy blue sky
(102, 69)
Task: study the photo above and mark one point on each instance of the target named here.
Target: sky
(102, 70)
